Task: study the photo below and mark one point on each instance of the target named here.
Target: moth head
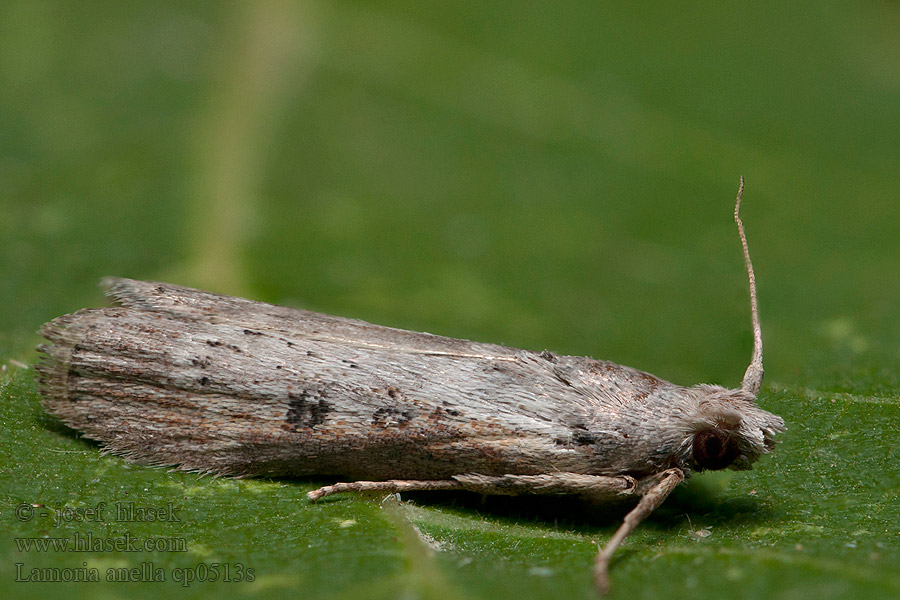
(728, 429)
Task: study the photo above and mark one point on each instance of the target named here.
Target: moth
(204, 382)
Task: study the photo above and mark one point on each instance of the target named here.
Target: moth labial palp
(211, 383)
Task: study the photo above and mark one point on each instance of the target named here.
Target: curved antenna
(754, 374)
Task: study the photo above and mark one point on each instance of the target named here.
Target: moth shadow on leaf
(55, 425)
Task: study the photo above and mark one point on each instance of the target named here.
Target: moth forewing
(212, 383)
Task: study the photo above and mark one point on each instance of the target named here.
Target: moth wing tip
(115, 285)
(126, 292)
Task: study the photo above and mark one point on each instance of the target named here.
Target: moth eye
(714, 449)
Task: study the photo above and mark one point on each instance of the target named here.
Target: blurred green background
(540, 175)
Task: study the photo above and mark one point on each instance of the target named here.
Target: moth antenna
(754, 374)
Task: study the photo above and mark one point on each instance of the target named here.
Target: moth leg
(506, 485)
(391, 486)
(597, 486)
(649, 502)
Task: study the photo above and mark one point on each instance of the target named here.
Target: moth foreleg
(649, 502)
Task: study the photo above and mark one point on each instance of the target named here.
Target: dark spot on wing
(307, 408)
(559, 374)
(220, 343)
(448, 408)
(389, 416)
(581, 436)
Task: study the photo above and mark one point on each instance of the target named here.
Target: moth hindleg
(391, 486)
(507, 485)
